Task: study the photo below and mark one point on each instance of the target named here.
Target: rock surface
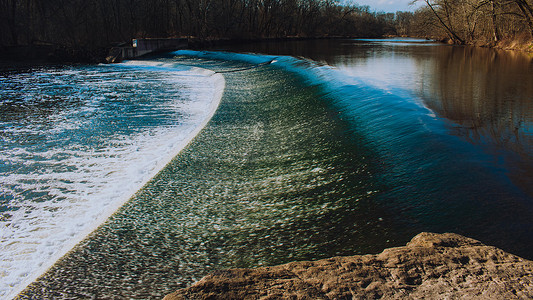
(431, 266)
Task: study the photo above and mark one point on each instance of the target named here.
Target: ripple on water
(77, 142)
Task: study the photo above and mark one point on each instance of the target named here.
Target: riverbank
(513, 45)
(525, 46)
(54, 54)
(202, 44)
(434, 266)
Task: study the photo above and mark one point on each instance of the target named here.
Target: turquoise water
(352, 149)
(77, 142)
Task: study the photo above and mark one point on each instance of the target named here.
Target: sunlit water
(355, 147)
(79, 141)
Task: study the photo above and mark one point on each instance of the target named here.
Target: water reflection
(489, 97)
(485, 94)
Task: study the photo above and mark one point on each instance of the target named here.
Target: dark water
(306, 161)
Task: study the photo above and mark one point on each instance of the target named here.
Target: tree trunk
(527, 10)
(453, 35)
(495, 30)
(13, 22)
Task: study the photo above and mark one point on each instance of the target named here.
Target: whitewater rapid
(56, 196)
(303, 160)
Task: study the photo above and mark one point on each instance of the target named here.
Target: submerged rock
(432, 266)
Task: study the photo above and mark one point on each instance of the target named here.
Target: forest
(478, 22)
(99, 24)
(103, 22)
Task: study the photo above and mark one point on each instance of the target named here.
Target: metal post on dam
(140, 47)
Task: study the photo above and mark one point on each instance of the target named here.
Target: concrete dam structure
(140, 47)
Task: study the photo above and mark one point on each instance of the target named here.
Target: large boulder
(431, 266)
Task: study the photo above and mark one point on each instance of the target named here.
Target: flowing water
(77, 142)
(318, 148)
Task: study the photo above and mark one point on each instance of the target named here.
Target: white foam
(94, 184)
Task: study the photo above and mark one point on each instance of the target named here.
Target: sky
(388, 5)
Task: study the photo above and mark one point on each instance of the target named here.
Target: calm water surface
(323, 148)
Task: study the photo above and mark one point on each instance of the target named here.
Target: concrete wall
(144, 46)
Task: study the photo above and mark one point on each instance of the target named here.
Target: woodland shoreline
(15, 56)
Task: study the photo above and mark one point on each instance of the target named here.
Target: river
(317, 148)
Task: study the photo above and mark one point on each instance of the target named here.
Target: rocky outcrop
(431, 266)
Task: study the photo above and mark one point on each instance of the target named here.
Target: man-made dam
(140, 47)
(332, 148)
